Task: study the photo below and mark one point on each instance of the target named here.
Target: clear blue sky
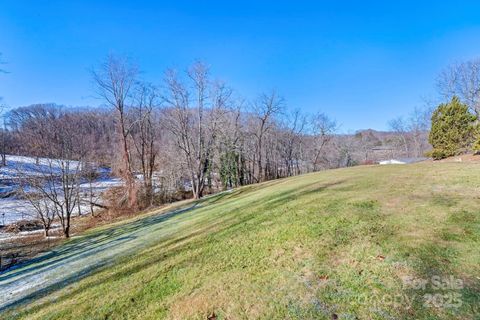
(361, 62)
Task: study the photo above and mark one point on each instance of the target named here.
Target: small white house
(402, 161)
(391, 161)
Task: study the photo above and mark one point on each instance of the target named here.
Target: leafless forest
(188, 136)
(193, 135)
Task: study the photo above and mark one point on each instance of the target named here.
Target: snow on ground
(30, 166)
(82, 256)
(13, 209)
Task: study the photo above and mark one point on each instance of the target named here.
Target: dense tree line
(188, 136)
(191, 134)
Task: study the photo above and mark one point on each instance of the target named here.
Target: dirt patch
(23, 247)
(23, 225)
(461, 158)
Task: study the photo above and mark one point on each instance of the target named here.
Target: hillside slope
(336, 244)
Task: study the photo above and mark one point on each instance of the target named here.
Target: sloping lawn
(376, 242)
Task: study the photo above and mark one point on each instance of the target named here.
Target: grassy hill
(336, 244)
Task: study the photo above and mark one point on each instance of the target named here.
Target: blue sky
(361, 62)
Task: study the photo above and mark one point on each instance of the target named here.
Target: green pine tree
(476, 144)
(452, 131)
(228, 169)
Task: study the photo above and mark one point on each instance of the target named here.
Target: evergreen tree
(476, 144)
(452, 129)
(229, 169)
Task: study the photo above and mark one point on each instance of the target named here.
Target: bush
(452, 130)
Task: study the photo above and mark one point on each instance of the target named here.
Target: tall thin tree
(115, 80)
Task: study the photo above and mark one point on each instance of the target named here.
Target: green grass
(309, 247)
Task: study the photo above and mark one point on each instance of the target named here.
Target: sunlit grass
(335, 243)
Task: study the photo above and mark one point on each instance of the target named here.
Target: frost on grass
(13, 208)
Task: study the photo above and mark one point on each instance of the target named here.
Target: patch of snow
(13, 209)
(30, 166)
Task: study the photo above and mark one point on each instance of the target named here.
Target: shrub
(452, 130)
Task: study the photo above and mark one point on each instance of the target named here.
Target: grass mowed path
(335, 244)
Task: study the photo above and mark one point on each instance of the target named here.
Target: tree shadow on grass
(92, 244)
(440, 258)
(171, 247)
(82, 248)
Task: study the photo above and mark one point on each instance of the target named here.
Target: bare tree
(55, 185)
(322, 129)
(366, 140)
(206, 140)
(410, 135)
(419, 125)
(194, 119)
(3, 138)
(400, 127)
(33, 126)
(115, 80)
(291, 141)
(462, 80)
(265, 109)
(3, 131)
(41, 205)
(54, 191)
(231, 149)
(346, 147)
(144, 134)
